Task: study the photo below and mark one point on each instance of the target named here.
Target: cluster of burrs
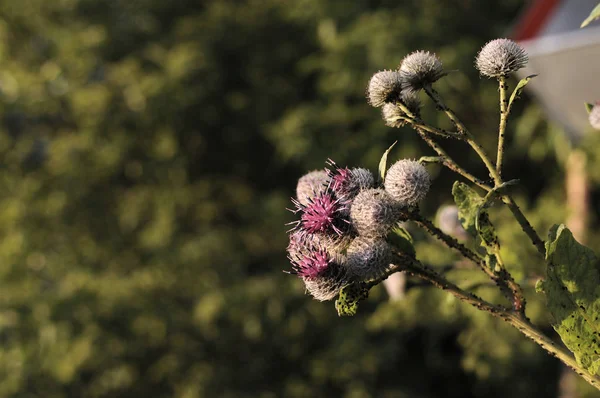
(344, 220)
(397, 91)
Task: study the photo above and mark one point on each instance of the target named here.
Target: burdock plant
(349, 236)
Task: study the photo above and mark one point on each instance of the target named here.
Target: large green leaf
(349, 297)
(572, 289)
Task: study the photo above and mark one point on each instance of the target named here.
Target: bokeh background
(148, 151)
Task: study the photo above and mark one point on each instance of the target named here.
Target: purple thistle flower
(322, 274)
(347, 183)
(312, 264)
(322, 215)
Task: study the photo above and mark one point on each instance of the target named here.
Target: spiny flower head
(302, 243)
(322, 274)
(311, 184)
(411, 100)
(347, 183)
(407, 181)
(500, 57)
(394, 116)
(312, 264)
(374, 213)
(384, 87)
(594, 116)
(322, 215)
(368, 258)
(419, 69)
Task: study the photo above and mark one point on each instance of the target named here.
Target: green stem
(511, 290)
(528, 329)
(449, 162)
(415, 268)
(507, 199)
(449, 241)
(437, 99)
(417, 122)
(517, 320)
(435, 96)
(525, 225)
(503, 117)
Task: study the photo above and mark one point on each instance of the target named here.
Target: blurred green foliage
(149, 149)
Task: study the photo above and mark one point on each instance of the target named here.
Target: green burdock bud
(407, 181)
(420, 69)
(384, 87)
(594, 116)
(500, 57)
(368, 258)
(393, 115)
(374, 213)
(310, 185)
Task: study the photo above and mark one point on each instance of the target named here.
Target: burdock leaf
(468, 202)
(572, 289)
(520, 86)
(349, 297)
(473, 216)
(486, 230)
(595, 14)
(383, 162)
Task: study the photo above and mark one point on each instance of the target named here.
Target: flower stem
(525, 225)
(437, 99)
(511, 289)
(515, 319)
(417, 122)
(415, 268)
(507, 199)
(528, 329)
(503, 117)
(449, 162)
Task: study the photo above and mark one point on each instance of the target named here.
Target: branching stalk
(449, 162)
(509, 287)
(515, 319)
(507, 199)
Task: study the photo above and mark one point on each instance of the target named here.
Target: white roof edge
(559, 42)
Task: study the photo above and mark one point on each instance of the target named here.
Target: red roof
(534, 19)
